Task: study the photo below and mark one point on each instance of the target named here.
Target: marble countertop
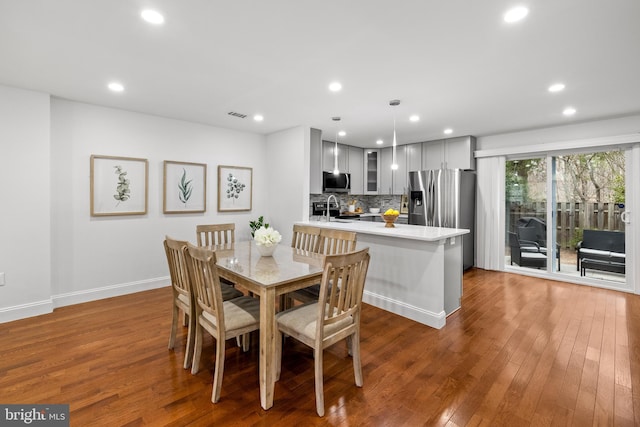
(401, 231)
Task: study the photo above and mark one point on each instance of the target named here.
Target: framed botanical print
(235, 184)
(119, 185)
(184, 187)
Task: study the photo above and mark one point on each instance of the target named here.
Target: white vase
(266, 250)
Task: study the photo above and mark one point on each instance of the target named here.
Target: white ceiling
(454, 62)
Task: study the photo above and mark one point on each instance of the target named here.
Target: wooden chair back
(215, 234)
(205, 282)
(341, 291)
(176, 253)
(306, 237)
(336, 241)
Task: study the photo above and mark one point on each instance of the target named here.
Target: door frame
(632, 229)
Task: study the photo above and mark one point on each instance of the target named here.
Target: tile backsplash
(365, 202)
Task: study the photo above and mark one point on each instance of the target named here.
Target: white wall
(52, 251)
(571, 132)
(25, 221)
(288, 159)
(96, 256)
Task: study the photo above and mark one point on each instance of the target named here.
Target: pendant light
(335, 149)
(394, 163)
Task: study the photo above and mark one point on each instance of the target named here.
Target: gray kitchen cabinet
(386, 175)
(452, 153)
(393, 181)
(409, 159)
(414, 157)
(433, 154)
(459, 153)
(356, 169)
(328, 148)
(371, 167)
(315, 166)
(400, 176)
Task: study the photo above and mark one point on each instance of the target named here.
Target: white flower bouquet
(266, 237)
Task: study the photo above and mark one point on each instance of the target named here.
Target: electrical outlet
(1, 279)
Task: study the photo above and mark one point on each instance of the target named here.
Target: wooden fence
(572, 218)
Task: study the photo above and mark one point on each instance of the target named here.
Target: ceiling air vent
(234, 114)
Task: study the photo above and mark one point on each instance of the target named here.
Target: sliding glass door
(526, 213)
(564, 215)
(589, 189)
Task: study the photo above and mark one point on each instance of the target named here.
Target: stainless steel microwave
(340, 183)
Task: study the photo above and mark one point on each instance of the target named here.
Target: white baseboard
(79, 297)
(426, 317)
(23, 311)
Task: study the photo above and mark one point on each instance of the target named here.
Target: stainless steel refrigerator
(445, 198)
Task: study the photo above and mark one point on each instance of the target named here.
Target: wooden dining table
(269, 278)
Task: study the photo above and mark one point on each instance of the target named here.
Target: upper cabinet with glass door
(371, 171)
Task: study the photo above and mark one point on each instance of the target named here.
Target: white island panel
(415, 271)
(403, 278)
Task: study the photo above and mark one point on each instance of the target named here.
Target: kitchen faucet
(329, 205)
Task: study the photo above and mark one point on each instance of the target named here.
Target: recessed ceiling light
(448, 131)
(115, 87)
(342, 133)
(414, 118)
(379, 142)
(258, 118)
(569, 111)
(516, 14)
(557, 87)
(335, 87)
(152, 16)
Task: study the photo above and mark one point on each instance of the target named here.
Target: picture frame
(184, 188)
(235, 188)
(404, 204)
(119, 185)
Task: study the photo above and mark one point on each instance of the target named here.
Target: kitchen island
(415, 271)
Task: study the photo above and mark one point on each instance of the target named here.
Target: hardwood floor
(521, 351)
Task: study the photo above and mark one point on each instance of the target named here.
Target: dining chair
(222, 319)
(183, 294)
(330, 242)
(336, 241)
(334, 317)
(182, 297)
(306, 238)
(215, 234)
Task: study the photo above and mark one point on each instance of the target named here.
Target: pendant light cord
(335, 148)
(335, 156)
(394, 164)
(393, 160)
